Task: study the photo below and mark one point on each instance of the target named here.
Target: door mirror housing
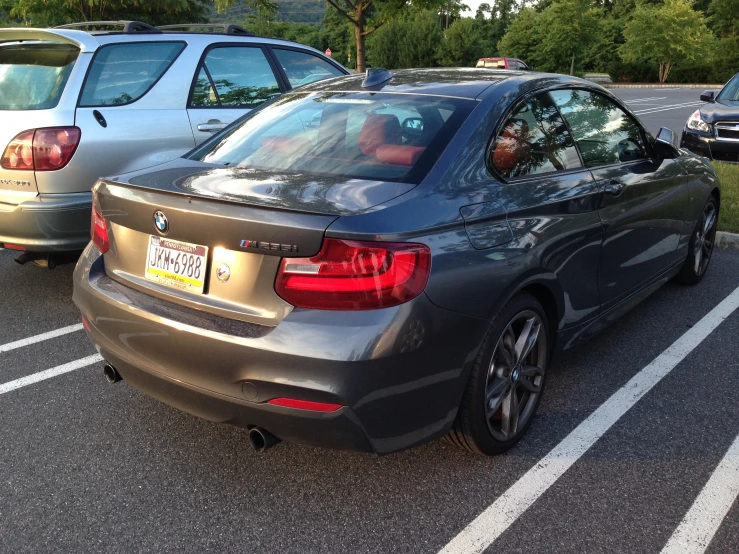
(707, 96)
(667, 144)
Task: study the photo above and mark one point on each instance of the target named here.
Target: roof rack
(224, 29)
(128, 26)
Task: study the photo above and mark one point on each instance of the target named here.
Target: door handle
(212, 126)
(614, 188)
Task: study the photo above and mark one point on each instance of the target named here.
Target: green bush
(634, 72)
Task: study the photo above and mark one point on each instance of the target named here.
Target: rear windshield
(33, 74)
(387, 137)
(123, 73)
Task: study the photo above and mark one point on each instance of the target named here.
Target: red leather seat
(512, 146)
(379, 129)
(399, 155)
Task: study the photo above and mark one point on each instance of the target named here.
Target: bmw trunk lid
(240, 222)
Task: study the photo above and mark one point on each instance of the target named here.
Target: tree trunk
(661, 72)
(359, 25)
(668, 66)
(572, 64)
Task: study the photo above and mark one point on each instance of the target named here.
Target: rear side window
(534, 140)
(33, 75)
(123, 73)
(604, 133)
(234, 77)
(302, 68)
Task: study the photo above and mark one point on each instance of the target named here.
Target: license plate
(177, 264)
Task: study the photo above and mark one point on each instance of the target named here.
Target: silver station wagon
(100, 99)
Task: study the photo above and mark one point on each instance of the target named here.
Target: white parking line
(704, 518)
(501, 514)
(670, 107)
(646, 99)
(49, 373)
(38, 338)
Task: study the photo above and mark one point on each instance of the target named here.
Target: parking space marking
(670, 107)
(704, 518)
(39, 338)
(49, 373)
(502, 513)
(646, 99)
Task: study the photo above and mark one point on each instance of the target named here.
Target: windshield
(33, 75)
(387, 137)
(731, 91)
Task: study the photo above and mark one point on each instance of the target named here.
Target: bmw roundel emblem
(161, 222)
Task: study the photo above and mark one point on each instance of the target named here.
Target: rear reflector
(41, 149)
(304, 404)
(352, 275)
(99, 231)
(13, 246)
(85, 323)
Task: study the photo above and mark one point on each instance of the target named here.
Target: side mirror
(667, 143)
(707, 96)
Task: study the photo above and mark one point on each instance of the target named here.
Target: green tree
(367, 16)
(522, 39)
(409, 41)
(668, 34)
(47, 13)
(567, 28)
(462, 44)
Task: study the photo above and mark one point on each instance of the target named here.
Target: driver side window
(604, 133)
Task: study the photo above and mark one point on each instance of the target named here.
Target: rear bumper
(707, 146)
(399, 373)
(47, 222)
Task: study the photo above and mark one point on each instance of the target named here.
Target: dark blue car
(375, 262)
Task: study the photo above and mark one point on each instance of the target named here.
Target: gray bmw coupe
(375, 262)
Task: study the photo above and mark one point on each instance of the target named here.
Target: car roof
(89, 41)
(462, 82)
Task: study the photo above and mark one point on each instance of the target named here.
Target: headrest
(379, 129)
(399, 155)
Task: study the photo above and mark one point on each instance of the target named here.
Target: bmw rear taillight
(42, 149)
(99, 230)
(352, 275)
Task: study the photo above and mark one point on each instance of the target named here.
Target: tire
(701, 246)
(509, 380)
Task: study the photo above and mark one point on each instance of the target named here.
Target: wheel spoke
(514, 412)
(707, 247)
(528, 378)
(527, 339)
(698, 260)
(505, 420)
(710, 219)
(495, 396)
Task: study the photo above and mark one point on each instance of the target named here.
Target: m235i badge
(269, 246)
(14, 183)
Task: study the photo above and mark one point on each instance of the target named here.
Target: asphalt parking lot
(635, 447)
(662, 107)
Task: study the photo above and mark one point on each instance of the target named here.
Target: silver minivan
(79, 104)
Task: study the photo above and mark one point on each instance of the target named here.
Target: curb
(727, 240)
(659, 85)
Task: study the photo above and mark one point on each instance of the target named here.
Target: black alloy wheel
(701, 245)
(507, 380)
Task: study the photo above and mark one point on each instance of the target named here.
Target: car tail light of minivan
(99, 230)
(42, 149)
(353, 275)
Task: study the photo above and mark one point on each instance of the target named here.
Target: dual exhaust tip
(261, 440)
